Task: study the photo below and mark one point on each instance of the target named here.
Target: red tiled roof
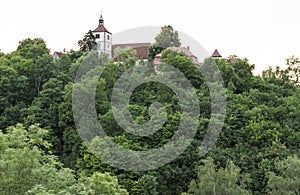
(234, 59)
(186, 51)
(216, 54)
(182, 50)
(101, 28)
(142, 49)
(59, 54)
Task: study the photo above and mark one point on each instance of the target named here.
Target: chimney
(188, 47)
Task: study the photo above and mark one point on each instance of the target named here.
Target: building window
(107, 37)
(97, 36)
(107, 46)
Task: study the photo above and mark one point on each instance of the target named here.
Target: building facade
(103, 38)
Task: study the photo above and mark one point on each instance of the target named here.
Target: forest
(41, 151)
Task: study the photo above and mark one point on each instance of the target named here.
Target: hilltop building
(185, 50)
(141, 49)
(57, 55)
(216, 54)
(103, 38)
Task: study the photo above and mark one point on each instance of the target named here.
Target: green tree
(168, 37)
(45, 111)
(98, 183)
(147, 185)
(292, 60)
(27, 168)
(125, 54)
(276, 73)
(294, 69)
(70, 137)
(13, 96)
(286, 179)
(212, 181)
(291, 74)
(104, 184)
(25, 162)
(180, 170)
(88, 42)
(62, 68)
(32, 48)
(40, 66)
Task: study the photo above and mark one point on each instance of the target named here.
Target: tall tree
(41, 67)
(32, 48)
(26, 162)
(13, 96)
(291, 74)
(168, 37)
(294, 69)
(213, 181)
(88, 42)
(98, 183)
(287, 178)
(27, 167)
(45, 111)
(147, 185)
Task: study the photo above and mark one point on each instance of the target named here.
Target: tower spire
(101, 21)
(103, 38)
(216, 54)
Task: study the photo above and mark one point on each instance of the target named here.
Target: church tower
(103, 38)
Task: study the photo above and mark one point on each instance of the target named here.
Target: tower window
(107, 37)
(97, 36)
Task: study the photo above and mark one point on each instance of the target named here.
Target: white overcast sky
(264, 31)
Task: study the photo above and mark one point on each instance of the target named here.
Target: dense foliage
(42, 153)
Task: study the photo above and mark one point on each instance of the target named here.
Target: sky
(264, 31)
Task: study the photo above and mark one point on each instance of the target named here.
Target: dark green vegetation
(42, 153)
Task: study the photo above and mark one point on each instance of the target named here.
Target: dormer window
(97, 36)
